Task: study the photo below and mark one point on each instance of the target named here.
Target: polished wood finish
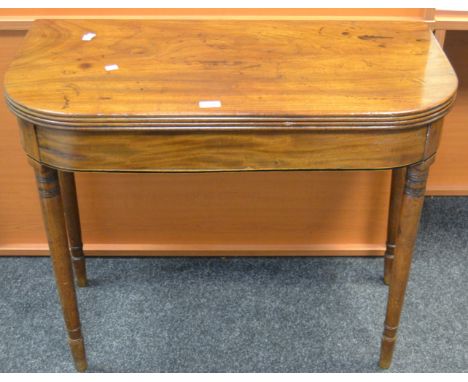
(53, 214)
(237, 150)
(72, 219)
(292, 96)
(396, 195)
(225, 218)
(411, 206)
(321, 213)
(290, 86)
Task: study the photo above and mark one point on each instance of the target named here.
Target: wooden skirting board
(110, 250)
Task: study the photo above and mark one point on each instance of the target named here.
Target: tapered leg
(72, 220)
(413, 198)
(52, 211)
(396, 196)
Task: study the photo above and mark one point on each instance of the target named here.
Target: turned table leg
(52, 211)
(396, 196)
(72, 219)
(411, 206)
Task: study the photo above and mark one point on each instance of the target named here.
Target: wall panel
(449, 174)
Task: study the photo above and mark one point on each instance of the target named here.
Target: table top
(203, 72)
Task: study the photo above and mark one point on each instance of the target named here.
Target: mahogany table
(199, 96)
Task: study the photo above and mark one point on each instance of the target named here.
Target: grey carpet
(246, 314)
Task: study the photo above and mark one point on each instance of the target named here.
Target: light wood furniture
(210, 96)
(445, 20)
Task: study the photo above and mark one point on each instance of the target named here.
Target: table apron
(185, 151)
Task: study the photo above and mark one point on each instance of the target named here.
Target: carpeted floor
(246, 314)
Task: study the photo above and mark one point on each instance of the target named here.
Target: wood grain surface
(335, 73)
(319, 213)
(208, 151)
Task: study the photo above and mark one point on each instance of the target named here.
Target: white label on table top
(112, 67)
(88, 36)
(208, 104)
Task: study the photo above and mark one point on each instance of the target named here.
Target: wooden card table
(200, 96)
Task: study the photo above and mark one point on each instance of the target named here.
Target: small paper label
(88, 36)
(109, 68)
(208, 104)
